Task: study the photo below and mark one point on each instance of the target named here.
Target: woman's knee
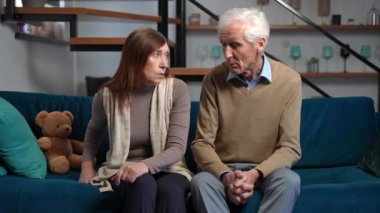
(145, 179)
(145, 185)
(172, 184)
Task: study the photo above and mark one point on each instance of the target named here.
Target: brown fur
(61, 152)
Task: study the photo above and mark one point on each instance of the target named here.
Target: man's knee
(285, 180)
(294, 180)
(202, 179)
(290, 179)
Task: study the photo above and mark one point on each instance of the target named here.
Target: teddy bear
(61, 152)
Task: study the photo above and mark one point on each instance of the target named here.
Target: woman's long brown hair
(136, 50)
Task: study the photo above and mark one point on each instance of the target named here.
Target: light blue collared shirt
(265, 76)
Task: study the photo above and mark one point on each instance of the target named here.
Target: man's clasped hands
(240, 185)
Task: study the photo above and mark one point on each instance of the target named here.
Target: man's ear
(260, 44)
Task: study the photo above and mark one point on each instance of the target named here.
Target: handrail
(306, 81)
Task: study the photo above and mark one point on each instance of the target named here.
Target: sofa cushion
(193, 124)
(56, 193)
(19, 150)
(3, 171)
(336, 131)
(371, 161)
(29, 104)
(337, 189)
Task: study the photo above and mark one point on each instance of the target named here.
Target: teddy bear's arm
(77, 146)
(44, 143)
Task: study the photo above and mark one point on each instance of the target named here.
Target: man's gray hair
(254, 22)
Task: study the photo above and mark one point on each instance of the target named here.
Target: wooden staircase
(71, 15)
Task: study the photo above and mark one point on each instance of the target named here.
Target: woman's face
(156, 65)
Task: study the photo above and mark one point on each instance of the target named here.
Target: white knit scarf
(118, 121)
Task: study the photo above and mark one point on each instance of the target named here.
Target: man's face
(240, 54)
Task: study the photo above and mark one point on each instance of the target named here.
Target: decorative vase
(262, 4)
(324, 10)
(296, 5)
(195, 19)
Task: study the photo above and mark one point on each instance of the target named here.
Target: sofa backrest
(334, 131)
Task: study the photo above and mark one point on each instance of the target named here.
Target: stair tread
(88, 11)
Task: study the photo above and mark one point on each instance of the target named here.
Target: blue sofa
(335, 134)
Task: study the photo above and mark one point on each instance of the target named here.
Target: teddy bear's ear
(40, 117)
(70, 115)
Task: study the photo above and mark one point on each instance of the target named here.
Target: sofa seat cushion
(338, 189)
(55, 193)
(330, 190)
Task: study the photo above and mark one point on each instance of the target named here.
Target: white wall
(39, 67)
(34, 66)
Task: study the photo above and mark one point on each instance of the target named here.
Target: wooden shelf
(299, 27)
(180, 71)
(341, 75)
(36, 38)
(99, 43)
(86, 11)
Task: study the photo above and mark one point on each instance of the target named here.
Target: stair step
(87, 11)
(96, 44)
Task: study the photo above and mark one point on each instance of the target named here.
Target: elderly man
(249, 123)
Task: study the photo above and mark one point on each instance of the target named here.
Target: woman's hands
(129, 172)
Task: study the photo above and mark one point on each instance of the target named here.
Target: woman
(147, 115)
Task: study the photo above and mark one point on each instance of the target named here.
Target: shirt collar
(265, 74)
